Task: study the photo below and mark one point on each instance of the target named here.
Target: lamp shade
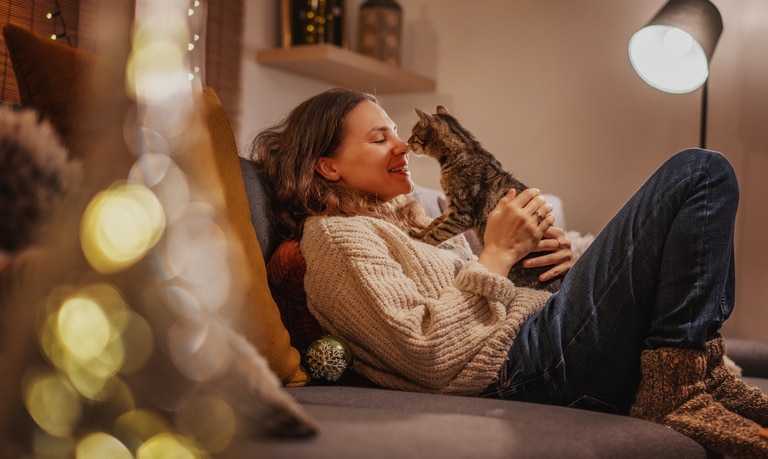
(672, 52)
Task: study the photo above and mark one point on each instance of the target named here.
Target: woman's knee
(714, 164)
(707, 158)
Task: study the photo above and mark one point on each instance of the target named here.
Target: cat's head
(428, 129)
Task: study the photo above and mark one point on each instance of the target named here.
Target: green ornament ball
(327, 358)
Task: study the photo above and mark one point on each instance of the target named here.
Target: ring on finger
(559, 245)
(538, 214)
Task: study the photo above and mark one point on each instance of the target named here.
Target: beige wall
(547, 86)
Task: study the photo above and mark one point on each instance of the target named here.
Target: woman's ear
(326, 167)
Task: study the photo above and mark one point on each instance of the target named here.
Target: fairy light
(157, 218)
(196, 47)
(168, 445)
(57, 18)
(52, 402)
(99, 445)
(120, 225)
(84, 338)
(135, 427)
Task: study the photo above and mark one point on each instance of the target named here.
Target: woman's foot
(672, 392)
(731, 392)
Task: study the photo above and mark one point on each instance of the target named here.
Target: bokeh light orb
(135, 427)
(83, 327)
(167, 445)
(100, 445)
(120, 225)
(53, 403)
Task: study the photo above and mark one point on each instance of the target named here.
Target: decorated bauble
(327, 358)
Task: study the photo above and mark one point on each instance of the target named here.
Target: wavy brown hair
(287, 153)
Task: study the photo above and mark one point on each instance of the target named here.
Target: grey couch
(364, 422)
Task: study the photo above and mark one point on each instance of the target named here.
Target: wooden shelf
(345, 68)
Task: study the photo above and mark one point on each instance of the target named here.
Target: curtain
(55, 19)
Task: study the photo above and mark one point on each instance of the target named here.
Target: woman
(634, 328)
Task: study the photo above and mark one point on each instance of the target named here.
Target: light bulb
(677, 42)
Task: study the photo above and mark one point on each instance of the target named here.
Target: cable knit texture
(417, 317)
(673, 393)
(730, 391)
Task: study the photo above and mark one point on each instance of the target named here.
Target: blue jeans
(661, 274)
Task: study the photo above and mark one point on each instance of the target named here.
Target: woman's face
(371, 157)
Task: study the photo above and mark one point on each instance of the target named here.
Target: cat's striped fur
(473, 181)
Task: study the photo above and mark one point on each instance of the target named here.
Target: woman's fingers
(556, 252)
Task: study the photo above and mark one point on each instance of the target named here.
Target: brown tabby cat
(473, 181)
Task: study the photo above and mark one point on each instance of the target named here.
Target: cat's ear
(327, 168)
(423, 116)
(442, 110)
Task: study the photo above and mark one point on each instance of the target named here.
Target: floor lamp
(672, 52)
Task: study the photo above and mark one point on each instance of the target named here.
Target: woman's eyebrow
(392, 128)
(379, 129)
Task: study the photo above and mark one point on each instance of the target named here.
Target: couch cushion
(380, 423)
(258, 202)
(35, 61)
(750, 355)
(71, 88)
(285, 272)
(262, 317)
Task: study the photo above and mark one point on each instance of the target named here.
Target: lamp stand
(703, 125)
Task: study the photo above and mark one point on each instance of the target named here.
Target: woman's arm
(514, 229)
(405, 306)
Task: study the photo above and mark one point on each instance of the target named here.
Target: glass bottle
(317, 21)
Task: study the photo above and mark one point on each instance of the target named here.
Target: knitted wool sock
(672, 393)
(731, 392)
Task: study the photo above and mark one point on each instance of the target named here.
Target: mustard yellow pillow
(264, 326)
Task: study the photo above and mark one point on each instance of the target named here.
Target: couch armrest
(750, 354)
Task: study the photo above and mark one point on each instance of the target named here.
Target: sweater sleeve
(417, 312)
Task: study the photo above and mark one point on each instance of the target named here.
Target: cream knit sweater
(416, 317)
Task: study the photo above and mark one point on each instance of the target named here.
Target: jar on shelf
(380, 29)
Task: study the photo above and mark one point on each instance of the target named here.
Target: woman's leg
(637, 309)
(656, 276)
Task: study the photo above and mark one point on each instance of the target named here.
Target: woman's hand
(515, 228)
(558, 254)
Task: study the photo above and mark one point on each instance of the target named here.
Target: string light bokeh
(163, 222)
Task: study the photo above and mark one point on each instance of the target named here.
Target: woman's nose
(402, 147)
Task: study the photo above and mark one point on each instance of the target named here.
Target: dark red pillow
(285, 273)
